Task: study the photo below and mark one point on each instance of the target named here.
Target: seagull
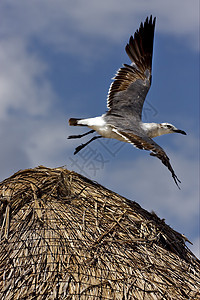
(126, 96)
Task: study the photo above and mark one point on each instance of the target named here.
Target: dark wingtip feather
(140, 47)
(176, 181)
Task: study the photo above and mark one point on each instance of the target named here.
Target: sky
(57, 59)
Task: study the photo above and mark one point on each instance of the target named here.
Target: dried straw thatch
(66, 237)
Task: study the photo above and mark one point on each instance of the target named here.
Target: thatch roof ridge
(63, 234)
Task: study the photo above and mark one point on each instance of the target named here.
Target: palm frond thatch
(66, 237)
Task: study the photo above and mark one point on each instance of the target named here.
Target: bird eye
(168, 126)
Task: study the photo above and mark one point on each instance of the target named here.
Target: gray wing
(132, 82)
(146, 143)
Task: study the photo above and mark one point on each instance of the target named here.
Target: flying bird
(125, 101)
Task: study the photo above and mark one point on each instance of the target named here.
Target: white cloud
(69, 25)
(23, 84)
(27, 142)
(48, 142)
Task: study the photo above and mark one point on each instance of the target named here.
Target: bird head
(169, 128)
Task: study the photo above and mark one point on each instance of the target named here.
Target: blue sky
(57, 59)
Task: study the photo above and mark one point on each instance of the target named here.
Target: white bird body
(99, 125)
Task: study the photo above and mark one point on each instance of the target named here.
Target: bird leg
(83, 145)
(80, 135)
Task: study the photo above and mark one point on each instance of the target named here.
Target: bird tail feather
(74, 122)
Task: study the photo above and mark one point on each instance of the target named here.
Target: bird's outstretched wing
(132, 82)
(146, 143)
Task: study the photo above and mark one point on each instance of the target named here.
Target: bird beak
(180, 131)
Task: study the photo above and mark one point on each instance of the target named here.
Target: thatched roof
(66, 237)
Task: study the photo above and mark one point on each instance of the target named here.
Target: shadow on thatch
(66, 237)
